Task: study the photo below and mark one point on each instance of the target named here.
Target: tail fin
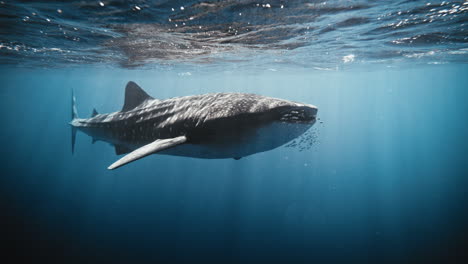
(73, 131)
(74, 116)
(74, 112)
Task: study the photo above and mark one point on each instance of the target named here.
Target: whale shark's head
(238, 125)
(284, 121)
(296, 113)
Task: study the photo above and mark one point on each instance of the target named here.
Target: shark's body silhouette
(212, 126)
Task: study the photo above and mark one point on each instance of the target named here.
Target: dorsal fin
(134, 96)
(95, 113)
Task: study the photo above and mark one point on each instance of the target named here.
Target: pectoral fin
(151, 148)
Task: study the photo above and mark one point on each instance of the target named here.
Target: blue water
(380, 178)
(385, 180)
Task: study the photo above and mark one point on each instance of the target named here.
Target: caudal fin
(74, 116)
(74, 112)
(73, 137)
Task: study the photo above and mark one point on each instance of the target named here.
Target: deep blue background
(385, 182)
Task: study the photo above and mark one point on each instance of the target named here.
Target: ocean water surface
(381, 177)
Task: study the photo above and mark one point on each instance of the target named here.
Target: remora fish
(210, 126)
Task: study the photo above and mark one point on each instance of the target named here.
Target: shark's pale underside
(211, 126)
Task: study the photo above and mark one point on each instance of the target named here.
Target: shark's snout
(299, 113)
(310, 111)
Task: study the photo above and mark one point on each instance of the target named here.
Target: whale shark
(209, 126)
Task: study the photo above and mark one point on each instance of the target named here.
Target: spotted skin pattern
(218, 125)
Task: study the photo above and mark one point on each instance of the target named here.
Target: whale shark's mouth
(300, 114)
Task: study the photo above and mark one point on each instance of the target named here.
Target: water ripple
(314, 34)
